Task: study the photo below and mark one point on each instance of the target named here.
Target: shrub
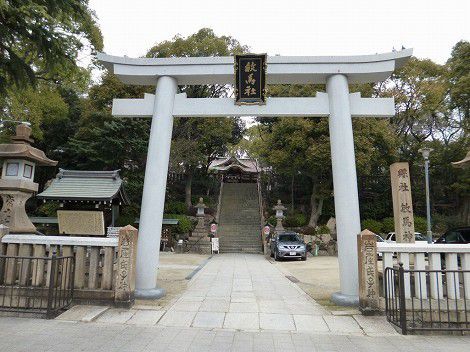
(185, 224)
(372, 225)
(388, 225)
(295, 220)
(127, 216)
(175, 207)
(272, 220)
(420, 224)
(323, 230)
(49, 209)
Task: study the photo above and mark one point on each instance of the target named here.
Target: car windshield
(452, 237)
(419, 237)
(288, 238)
(466, 234)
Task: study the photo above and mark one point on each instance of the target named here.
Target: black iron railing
(41, 285)
(427, 300)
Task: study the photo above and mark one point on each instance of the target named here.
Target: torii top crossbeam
(281, 69)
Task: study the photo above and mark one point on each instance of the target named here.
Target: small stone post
(368, 273)
(4, 230)
(126, 262)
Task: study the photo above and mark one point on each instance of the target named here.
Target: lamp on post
(279, 208)
(425, 152)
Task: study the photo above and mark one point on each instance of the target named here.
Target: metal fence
(440, 302)
(41, 285)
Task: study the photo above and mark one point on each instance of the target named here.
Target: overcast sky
(292, 27)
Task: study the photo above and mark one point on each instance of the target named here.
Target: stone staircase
(239, 220)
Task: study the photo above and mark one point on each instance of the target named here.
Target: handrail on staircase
(261, 215)
(219, 201)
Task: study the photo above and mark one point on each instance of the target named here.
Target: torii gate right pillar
(346, 197)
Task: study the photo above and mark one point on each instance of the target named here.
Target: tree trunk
(292, 194)
(464, 210)
(316, 205)
(187, 190)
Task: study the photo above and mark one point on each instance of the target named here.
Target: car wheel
(276, 258)
(304, 258)
(271, 254)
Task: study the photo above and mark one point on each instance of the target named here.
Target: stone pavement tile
(214, 305)
(310, 323)
(242, 294)
(375, 325)
(85, 313)
(243, 307)
(342, 324)
(186, 306)
(191, 298)
(177, 318)
(242, 299)
(283, 322)
(272, 306)
(242, 321)
(146, 317)
(115, 316)
(208, 320)
(304, 308)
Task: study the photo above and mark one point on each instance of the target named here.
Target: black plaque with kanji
(250, 79)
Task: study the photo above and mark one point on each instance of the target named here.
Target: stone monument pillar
(17, 182)
(402, 203)
(368, 273)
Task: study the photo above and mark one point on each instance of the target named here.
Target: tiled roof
(225, 164)
(86, 185)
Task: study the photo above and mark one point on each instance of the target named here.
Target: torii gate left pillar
(337, 104)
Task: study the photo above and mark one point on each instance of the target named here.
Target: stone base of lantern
(13, 213)
(199, 245)
(199, 242)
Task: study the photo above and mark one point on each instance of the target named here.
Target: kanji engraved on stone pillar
(402, 203)
(368, 273)
(125, 272)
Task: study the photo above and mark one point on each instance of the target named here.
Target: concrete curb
(195, 271)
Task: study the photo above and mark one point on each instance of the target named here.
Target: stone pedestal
(199, 242)
(13, 213)
(124, 293)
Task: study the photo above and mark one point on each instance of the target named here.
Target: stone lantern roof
(464, 163)
(20, 148)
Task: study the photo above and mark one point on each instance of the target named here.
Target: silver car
(288, 245)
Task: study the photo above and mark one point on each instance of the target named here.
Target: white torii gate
(337, 104)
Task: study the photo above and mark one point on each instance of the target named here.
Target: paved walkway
(240, 292)
(235, 303)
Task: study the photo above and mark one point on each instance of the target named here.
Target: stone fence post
(126, 261)
(368, 273)
(4, 230)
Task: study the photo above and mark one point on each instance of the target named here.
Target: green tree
(42, 39)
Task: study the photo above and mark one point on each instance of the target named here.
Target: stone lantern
(199, 241)
(200, 207)
(279, 208)
(17, 182)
